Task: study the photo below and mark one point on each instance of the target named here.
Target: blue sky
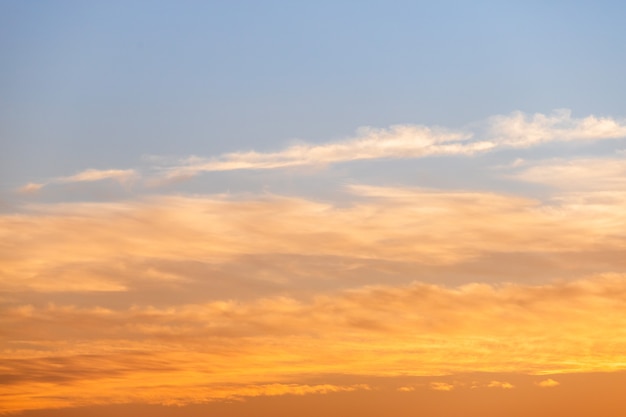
(99, 84)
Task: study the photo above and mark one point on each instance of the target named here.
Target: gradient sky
(312, 208)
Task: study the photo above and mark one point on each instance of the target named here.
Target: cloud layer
(184, 299)
(226, 349)
(96, 246)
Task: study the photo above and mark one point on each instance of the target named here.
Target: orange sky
(576, 395)
(213, 299)
(325, 208)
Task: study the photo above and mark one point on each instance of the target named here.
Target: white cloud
(402, 141)
(516, 130)
(522, 130)
(414, 141)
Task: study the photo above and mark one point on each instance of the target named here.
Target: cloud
(123, 176)
(441, 386)
(106, 246)
(31, 187)
(581, 174)
(89, 175)
(548, 383)
(127, 302)
(190, 353)
(419, 329)
(111, 247)
(402, 141)
(517, 130)
(523, 130)
(500, 384)
(191, 299)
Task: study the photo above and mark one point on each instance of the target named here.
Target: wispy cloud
(208, 349)
(78, 245)
(123, 176)
(517, 130)
(232, 296)
(403, 141)
(580, 174)
(414, 141)
(31, 187)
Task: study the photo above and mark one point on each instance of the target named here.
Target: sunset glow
(182, 235)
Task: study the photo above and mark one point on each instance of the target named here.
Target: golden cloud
(84, 355)
(85, 322)
(441, 386)
(500, 384)
(91, 246)
(548, 383)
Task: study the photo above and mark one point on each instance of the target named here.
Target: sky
(312, 208)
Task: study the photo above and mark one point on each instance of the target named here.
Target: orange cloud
(96, 246)
(500, 384)
(548, 383)
(31, 187)
(195, 353)
(122, 175)
(441, 386)
(94, 307)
